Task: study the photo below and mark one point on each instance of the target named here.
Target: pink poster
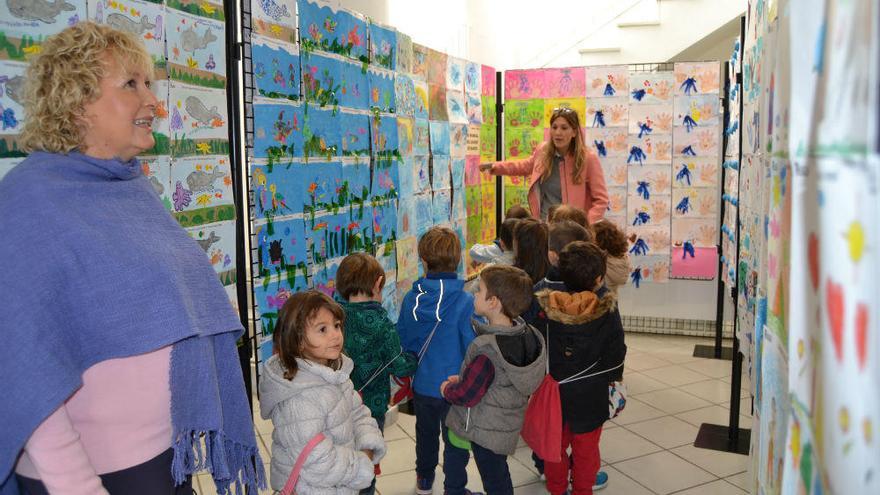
(568, 82)
(691, 262)
(523, 84)
(488, 85)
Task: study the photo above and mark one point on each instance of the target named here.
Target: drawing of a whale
(190, 41)
(199, 181)
(125, 23)
(197, 109)
(37, 10)
(205, 244)
(15, 89)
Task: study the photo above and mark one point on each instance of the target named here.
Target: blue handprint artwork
(636, 155)
(689, 123)
(599, 119)
(609, 90)
(636, 276)
(644, 128)
(683, 206)
(642, 218)
(600, 148)
(638, 94)
(689, 85)
(643, 189)
(640, 248)
(688, 249)
(684, 175)
(688, 151)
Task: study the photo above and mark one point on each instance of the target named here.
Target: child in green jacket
(371, 339)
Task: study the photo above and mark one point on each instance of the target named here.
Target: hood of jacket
(435, 298)
(575, 308)
(274, 388)
(526, 377)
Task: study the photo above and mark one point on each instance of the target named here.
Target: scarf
(95, 268)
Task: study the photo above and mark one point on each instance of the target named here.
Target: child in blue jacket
(435, 324)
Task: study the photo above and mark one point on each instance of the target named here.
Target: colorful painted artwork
(355, 130)
(381, 84)
(383, 135)
(353, 88)
(404, 54)
(521, 143)
(576, 104)
(12, 76)
(25, 25)
(456, 108)
(473, 78)
(325, 27)
(321, 75)
(269, 296)
(438, 108)
(455, 74)
(404, 95)
(607, 81)
(405, 136)
(274, 19)
(157, 170)
(458, 136)
(324, 276)
(196, 49)
(474, 108)
(386, 180)
(569, 82)
(278, 130)
(442, 206)
(488, 76)
(321, 132)
(524, 113)
(422, 99)
(440, 139)
(523, 84)
(421, 137)
(693, 263)
(649, 149)
(385, 222)
(700, 143)
(610, 142)
(651, 89)
(697, 112)
(282, 250)
(276, 68)
(650, 269)
(207, 181)
(217, 240)
(441, 177)
(692, 78)
(606, 112)
(198, 120)
(144, 19)
(420, 61)
(436, 68)
(383, 46)
(701, 232)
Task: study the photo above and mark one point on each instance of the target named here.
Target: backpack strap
(294, 474)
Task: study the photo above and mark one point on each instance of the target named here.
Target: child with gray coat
(504, 364)
(306, 391)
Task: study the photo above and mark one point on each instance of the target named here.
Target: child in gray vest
(504, 364)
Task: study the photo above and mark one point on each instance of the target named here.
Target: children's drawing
(336, 234)
(455, 74)
(523, 84)
(606, 112)
(422, 99)
(650, 239)
(699, 201)
(424, 213)
(158, 171)
(323, 26)
(488, 145)
(657, 149)
(689, 262)
(697, 112)
(405, 136)
(321, 132)
(515, 195)
(701, 142)
(277, 191)
(404, 54)
(487, 87)
(440, 139)
(404, 95)
(198, 122)
(565, 83)
(617, 197)
(442, 205)
(217, 240)
(324, 276)
(383, 46)
(473, 202)
(522, 142)
(208, 181)
(656, 175)
(355, 129)
(420, 61)
(653, 269)
(459, 207)
(457, 169)
(701, 232)
(196, 49)
(354, 90)
(269, 297)
(384, 222)
(407, 179)
(697, 78)
(143, 19)
(381, 83)
(276, 68)
(488, 103)
(355, 188)
(474, 106)
(696, 172)
(576, 104)
(651, 89)
(437, 105)
(472, 171)
(616, 172)
(422, 173)
(473, 78)
(612, 80)
(383, 135)
(636, 155)
(386, 180)
(455, 107)
(437, 65)
(421, 137)
(441, 177)
(610, 142)
(278, 131)
(650, 119)
(282, 249)
(774, 412)
(407, 258)
(321, 77)
(658, 209)
(11, 105)
(25, 24)
(458, 134)
(319, 185)
(275, 19)
(524, 113)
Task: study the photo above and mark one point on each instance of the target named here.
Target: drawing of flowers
(315, 32)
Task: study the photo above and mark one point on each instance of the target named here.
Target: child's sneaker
(424, 486)
(601, 480)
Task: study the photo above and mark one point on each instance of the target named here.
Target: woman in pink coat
(561, 171)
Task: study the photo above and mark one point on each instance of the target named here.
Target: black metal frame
(731, 438)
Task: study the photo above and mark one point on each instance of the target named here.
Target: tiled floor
(647, 450)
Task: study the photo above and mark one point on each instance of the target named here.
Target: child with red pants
(585, 346)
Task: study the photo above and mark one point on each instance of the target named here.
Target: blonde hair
(66, 76)
(576, 147)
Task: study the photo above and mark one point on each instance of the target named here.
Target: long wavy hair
(530, 247)
(577, 148)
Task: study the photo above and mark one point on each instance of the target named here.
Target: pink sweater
(590, 195)
(119, 418)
